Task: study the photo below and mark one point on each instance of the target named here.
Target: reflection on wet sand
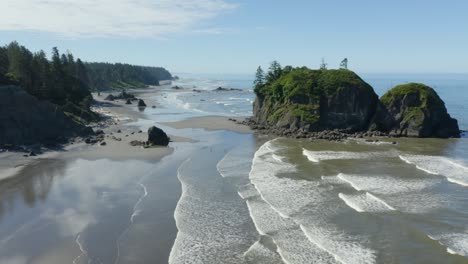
(57, 211)
(32, 183)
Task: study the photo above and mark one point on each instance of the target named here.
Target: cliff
(26, 120)
(305, 101)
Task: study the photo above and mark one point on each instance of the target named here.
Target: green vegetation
(67, 82)
(59, 80)
(427, 96)
(123, 76)
(298, 91)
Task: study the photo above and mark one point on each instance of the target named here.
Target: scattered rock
(153, 106)
(135, 143)
(141, 103)
(221, 89)
(128, 101)
(103, 143)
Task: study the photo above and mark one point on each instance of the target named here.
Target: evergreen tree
(259, 77)
(344, 64)
(274, 72)
(323, 65)
(4, 64)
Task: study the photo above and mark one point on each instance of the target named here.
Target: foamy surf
(382, 184)
(317, 156)
(365, 202)
(299, 239)
(455, 243)
(437, 165)
(213, 222)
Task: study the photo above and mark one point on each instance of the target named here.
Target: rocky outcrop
(157, 137)
(222, 89)
(414, 110)
(316, 100)
(303, 102)
(26, 120)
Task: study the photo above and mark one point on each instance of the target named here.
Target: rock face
(316, 100)
(157, 136)
(26, 120)
(303, 101)
(414, 110)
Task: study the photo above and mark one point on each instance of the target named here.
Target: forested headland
(68, 82)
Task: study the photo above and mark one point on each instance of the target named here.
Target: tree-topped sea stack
(415, 110)
(315, 100)
(304, 100)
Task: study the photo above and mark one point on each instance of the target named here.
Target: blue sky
(228, 36)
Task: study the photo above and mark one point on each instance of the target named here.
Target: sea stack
(415, 110)
(302, 100)
(157, 137)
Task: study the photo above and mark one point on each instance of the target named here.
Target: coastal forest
(68, 82)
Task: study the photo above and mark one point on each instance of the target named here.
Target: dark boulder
(157, 136)
(141, 103)
(128, 101)
(414, 110)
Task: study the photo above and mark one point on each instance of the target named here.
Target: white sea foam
(343, 248)
(260, 254)
(317, 156)
(292, 244)
(211, 222)
(451, 169)
(235, 163)
(345, 178)
(456, 243)
(383, 184)
(365, 202)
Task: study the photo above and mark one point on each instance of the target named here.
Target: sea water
(352, 201)
(240, 198)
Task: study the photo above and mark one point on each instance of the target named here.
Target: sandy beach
(117, 197)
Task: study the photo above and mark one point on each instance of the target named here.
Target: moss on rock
(417, 110)
(316, 99)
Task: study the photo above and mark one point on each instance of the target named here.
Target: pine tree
(3, 65)
(323, 65)
(344, 64)
(259, 77)
(274, 72)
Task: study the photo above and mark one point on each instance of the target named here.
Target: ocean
(328, 202)
(229, 197)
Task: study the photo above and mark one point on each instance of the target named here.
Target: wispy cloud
(128, 18)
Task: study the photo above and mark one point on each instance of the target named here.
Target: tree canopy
(67, 81)
(107, 75)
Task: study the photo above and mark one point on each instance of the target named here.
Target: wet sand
(100, 204)
(211, 123)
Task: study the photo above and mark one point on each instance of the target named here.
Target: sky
(234, 37)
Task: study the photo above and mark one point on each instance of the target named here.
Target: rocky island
(302, 102)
